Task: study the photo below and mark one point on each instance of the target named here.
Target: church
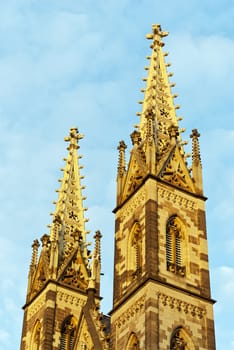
(161, 286)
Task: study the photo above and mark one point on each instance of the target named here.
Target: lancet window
(68, 333)
(133, 342)
(177, 341)
(180, 340)
(135, 251)
(175, 246)
(36, 337)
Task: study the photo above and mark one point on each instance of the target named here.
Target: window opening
(174, 242)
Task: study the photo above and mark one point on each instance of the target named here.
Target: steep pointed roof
(68, 228)
(158, 99)
(158, 149)
(69, 206)
(64, 256)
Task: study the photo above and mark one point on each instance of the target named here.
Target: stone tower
(161, 276)
(63, 297)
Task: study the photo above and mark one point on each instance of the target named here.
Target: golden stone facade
(161, 297)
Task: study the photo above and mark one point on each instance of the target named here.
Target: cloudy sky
(80, 63)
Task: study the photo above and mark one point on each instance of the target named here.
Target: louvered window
(174, 246)
(68, 333)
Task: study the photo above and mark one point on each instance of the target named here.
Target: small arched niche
(180, 340)
(133, 342)
(135, 251)
(36, 337)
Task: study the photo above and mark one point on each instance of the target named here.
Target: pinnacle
(68, 217)
(158, 98)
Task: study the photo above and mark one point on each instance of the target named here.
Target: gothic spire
(64, 256)
(69, 207)
(158, 149)
(158, 99)
(68, 228)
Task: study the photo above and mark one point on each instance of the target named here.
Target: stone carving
(70, 299)
(181, 306)
(177, 199)
(132, 312)
(133, 203)
(36, 305)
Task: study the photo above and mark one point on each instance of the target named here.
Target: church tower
(161, 276)
(63, 297)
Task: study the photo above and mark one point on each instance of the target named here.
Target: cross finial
(73, 138)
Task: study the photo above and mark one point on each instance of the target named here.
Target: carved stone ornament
(132, 312)
(175, 198)
(181, 306)
(132, 205)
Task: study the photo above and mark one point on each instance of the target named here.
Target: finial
(196, 148)
(35, 247)
(121, 165)
(196, 161)
(73, 138)
(157, 35)
(136, 137)
(173, 132)
(45, 240)
(97, 238)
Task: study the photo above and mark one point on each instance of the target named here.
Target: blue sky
(80, 63)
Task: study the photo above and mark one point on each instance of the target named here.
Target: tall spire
(69, 206)
(68, 226)
(158, 99)
(158, 149)
(64, 255)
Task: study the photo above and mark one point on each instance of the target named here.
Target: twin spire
(158, 149)
(65, 256)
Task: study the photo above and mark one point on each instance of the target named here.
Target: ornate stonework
(181, 306)
(70, 299)
(132, 204)
(132, 312)
(36, 305)
(176, 198)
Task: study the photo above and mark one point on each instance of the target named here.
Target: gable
(135, 173)
(75, 273)
(175, 171)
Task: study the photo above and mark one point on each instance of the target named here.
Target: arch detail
(133, 342)
(135, 251)
(180, 340)
(36, 337)
(175, 246)
(68, 331)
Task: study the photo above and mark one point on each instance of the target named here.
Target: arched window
(174, 246)
(180, 340)
(133, 342)
(135, 251)
(68, 333)
(36, 337)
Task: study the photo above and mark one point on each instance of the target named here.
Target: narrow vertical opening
(68, 333)
(174, 246)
